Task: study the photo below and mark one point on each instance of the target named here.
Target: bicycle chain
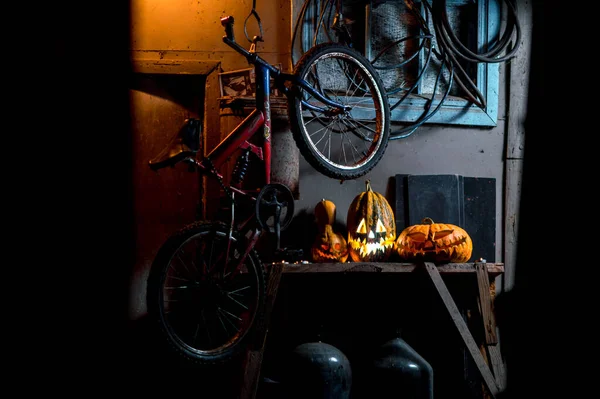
(220, 180)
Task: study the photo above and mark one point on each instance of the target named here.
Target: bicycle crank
(274, 207)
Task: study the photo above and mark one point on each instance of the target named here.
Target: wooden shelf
(493, 269)
(482, 278)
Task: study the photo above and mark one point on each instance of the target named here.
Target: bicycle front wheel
(204, 300)
(342, 145)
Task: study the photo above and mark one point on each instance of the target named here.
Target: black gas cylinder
(398, 371)
(318, 370)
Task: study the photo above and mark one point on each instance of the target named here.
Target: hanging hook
(254, 14)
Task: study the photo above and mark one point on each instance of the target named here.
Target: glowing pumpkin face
(434, 242)
(371, 227)
(329, 246)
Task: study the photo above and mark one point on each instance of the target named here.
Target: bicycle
(206, 285)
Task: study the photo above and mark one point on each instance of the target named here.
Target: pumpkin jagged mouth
(423, 248)
(368, 248)
(328, 255)
(433, 246)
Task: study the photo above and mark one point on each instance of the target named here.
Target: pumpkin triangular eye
(417, 236)
(362, 228)
(380, 228)
(441, 234)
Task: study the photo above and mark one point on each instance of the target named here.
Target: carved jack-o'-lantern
(434, 242)
(329, 246)
(371, 227)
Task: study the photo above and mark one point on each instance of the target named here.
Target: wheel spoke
(343, 148)
(231, 315)
(324, 134)
(187, 280)
(237, 292)
(219, 313)
(236, 301)
(176, 270)
(353, 147)
(183, 263)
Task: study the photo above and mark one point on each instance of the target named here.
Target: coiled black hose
(450, 50)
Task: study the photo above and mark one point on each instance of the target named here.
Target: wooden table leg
(255, 352)
(462, 327)
(489, 323)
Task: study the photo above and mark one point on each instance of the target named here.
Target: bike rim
(347, 141)
(206, 307)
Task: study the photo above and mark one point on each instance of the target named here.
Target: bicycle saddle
(184, 144)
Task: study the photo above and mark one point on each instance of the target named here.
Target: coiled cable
(450, 51)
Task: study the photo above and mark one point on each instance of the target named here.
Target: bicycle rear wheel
(341, 145)
(204, 307)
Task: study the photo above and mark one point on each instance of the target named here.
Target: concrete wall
(464, 151)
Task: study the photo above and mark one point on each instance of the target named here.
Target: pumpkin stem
(427, 221)
(368, 185)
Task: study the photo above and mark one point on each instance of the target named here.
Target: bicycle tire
(204, 311)
(361, 134)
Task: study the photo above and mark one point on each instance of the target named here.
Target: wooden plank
(516, 116)
(493, 269)
(497, 365)
(483, 350)
(518, 71)
(462, 328)
(211, 124)
(485, 304)
(512, 198)
(255, 352)
(175, 67)
(490, 348)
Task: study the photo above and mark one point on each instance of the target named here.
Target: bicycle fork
(250, 241)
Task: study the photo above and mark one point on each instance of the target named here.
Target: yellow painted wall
(183, 37)
(167, 29)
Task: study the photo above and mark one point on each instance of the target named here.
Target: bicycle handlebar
(229, 39)
(254, 59)
(227, 22)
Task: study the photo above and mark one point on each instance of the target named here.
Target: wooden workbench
(486, 359)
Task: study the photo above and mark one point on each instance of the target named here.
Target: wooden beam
(493, 269)
(255, 352)
(497, 365)
(174, 67)
(462, 328)
(485, 304)
(489, 324)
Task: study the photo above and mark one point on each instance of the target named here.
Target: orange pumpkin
(371, 227)
(329, 246)
(434, 242)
